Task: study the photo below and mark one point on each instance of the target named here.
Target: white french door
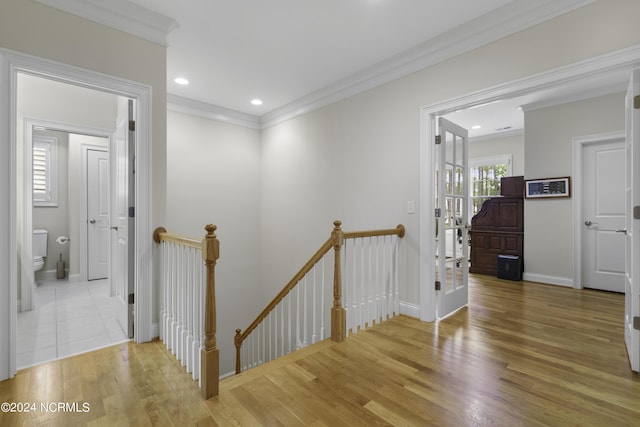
(632, 242)
(452, 262)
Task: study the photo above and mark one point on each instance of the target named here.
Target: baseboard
(549, 280)
(155, 330)
(409, 309)
(51, 275)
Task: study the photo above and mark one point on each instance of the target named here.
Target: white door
(452, 216)
(122, 270)
(632, 242)
(97, 214)
(604, 215)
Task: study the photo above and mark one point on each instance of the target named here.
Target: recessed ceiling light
(476, 127)
(181, 81)
(256, 101)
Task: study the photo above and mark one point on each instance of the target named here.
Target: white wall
(213, 176)
(358, 160)
(31, 28)
(549, 133)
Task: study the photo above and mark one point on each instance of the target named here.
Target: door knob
(92, 221)
(115, 227)
(588, 223)
(624, 231)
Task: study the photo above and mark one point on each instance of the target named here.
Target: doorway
(569, 82)
(16, 64)
(71, 314)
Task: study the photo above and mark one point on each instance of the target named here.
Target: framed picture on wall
(547, 187)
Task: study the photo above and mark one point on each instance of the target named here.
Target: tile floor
(70, 318)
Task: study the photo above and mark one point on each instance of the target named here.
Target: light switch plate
(411, 207)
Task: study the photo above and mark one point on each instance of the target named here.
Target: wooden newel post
(338, 314)
(210, 355)
(238, 343)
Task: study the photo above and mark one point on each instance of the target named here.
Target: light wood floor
(521, 354)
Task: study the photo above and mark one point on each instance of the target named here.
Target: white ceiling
(281, 50)
(296, 55)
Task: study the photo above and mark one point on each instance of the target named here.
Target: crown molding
(509, 19)
(594, 92)
(121, 15)
(208, 111)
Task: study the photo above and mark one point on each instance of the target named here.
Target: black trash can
(509, 267)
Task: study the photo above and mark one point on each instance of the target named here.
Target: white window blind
(45, 171)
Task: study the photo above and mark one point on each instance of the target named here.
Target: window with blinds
(44, 172)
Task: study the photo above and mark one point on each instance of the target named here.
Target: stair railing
(296, 317)
(188, 304)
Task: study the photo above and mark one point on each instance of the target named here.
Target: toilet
(39, 248)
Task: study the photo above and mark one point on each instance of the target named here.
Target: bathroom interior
(68, 313)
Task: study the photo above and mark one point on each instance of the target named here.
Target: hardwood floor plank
(521, 354)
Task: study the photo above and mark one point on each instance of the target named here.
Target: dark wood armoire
(498, 228)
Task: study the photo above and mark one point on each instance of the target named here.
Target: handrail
(338, 314)
(209, 353)
(160, 234)
(399, 231)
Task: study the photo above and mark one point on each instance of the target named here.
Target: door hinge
(132, 125)
(132, 212)
(438, 285)
(636, 102)
(438, 139)
(132, 298)
(636, 212)
(438, 212)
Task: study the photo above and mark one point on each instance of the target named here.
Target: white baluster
(322, 312)
(174, 272)
(361, 308)
(297, 323)
(314, 303)
(354, 288)
(190, 303)
(396, 285)
(163, 264)
(304, 315)
(384, 284)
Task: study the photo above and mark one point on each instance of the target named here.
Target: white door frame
(624, 59)
(579, 144)
(12, 63)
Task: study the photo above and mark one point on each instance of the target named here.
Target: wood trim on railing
(241, 336)
(160, 234)
(209, 353)
(338, 313)
(399, 231)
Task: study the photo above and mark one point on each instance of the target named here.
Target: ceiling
(296, 55)
(282, 50)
